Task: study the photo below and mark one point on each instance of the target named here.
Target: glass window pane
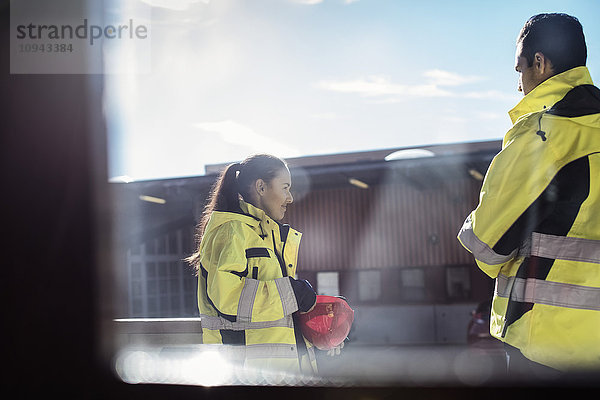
(151, 270)
(136, 270)
(163, 286)
(162, 269)
(369, 285)
(174, 268)
(152, 287)
(412, 277)
(328, 283)
(150, 247)
(173, 243)
(161, 247)
(458, 282)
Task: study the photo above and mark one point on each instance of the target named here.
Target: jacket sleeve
(234, 294)
(511, 203)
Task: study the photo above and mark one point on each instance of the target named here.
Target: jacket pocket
(255, 252)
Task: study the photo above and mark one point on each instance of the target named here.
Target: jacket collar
(549, 92)
(249, 214)
(256, 213)
(265, 222)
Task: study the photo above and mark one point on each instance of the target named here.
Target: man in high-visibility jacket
(536, 229)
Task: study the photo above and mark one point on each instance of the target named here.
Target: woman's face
(274, 196)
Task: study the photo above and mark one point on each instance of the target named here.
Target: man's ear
(543, 66)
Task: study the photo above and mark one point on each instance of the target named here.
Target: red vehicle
(478, 330)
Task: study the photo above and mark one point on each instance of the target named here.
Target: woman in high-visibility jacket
(246, 261)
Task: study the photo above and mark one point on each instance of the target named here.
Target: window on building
(369, 285)
(160, 283)
(328, 283)
(412, 284)
(458, 282)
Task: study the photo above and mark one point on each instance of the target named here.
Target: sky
(229, 78)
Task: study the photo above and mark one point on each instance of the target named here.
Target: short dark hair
(558, 36)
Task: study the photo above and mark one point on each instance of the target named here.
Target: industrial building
(379, 228)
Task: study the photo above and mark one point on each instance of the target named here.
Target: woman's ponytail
(224, 195)
(234, 182)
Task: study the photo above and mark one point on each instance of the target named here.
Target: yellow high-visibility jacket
(244, 294)
(537, 226)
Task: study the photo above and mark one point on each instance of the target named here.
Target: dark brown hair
(558, 36)
(236, 181)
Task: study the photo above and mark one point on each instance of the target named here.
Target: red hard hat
(328, 323)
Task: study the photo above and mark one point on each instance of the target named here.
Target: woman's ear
(260, 187)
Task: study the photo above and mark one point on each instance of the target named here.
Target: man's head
(548, 44)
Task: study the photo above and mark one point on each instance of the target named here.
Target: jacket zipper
(279, 258)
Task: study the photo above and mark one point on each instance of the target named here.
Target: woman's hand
(336, 350)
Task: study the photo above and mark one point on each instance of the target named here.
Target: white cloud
(492, 94)
(490, 115)
(381, 86)
(237, 134)
(313, 2)
(308, 2)
(437, 84)
(325, 116)
(454, 119)
(445, 78)
(177, 5)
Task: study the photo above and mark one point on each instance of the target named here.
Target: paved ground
(356, 365)
(413, 365)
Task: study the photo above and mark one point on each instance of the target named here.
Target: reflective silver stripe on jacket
(286, 293)
(216, 323)
(271, 350)
(503, 285)
(481, 250)
(263, 350)
(248, 296)
(246, 302)
(565, 248)
(550, 293)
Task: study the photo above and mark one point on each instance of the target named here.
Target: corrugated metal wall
(394, 224)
